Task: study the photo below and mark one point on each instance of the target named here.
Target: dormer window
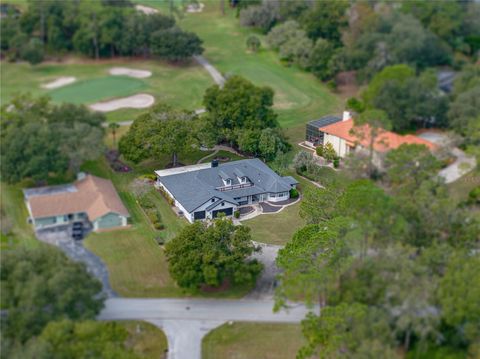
(228, 182)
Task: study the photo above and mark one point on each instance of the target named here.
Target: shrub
(336, 162)
(149, 176)
(329, 152)
(261, 16)
(302, 161)
(474, 196)
(253, 43)
(319, 150)
(146, 202)
(294, 193)
(159, 226)
(236, 214)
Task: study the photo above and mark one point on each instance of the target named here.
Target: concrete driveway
(462, 164)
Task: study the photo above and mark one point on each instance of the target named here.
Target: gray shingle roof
(193, 189)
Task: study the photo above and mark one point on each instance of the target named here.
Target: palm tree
(113, 127)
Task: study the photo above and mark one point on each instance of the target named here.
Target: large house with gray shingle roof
(204, 191)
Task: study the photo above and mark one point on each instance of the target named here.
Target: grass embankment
(146, 340)
(253, 340)
(181, 86)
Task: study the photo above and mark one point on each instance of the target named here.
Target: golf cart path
(186, 321)
(214, 73)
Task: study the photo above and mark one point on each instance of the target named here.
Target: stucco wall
(339, 145)
(109, 220)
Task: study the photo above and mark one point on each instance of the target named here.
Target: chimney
(346, 116)
(215, 163)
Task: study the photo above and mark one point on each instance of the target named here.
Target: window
(272, 195)
(223, 203)
(213, 200)
(280, 195)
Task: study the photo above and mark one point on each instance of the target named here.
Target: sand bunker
(139, 74)
(146, 9)
(193, 8)
(61, 81)
(135, 101)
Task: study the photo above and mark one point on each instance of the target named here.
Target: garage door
(199, 215)
(227, 211)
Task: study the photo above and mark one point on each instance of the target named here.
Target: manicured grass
(299, 96)
(276, 228)
(253, 341)
(146, 340)
(96, 89)
(181, 86)
(14, 215)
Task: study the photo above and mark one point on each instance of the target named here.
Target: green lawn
(460, 189)
(181, 86)
(299, 96)
(253, 341)
(96, 89)
(146, 340)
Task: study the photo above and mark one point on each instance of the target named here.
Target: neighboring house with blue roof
(204, 191)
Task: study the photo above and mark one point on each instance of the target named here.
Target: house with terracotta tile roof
(345, 138)
(90, 200)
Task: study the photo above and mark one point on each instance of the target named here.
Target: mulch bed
(112, 157)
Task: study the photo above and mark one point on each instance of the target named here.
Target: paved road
(186, 321)
(216, 75)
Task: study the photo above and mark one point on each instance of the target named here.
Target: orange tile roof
(384, 142)
(94, 195)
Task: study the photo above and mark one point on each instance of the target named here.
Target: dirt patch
(146, 9)
(125, 71)
(60, 82)
(135, 101)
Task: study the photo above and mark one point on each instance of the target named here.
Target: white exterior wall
(339, 145)
(286, 195)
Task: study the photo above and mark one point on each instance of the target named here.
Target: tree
(321, 61)
(464, 110)
(175, 44)
(69, 339)
(409, 165)
(302, 161)
(32, 52)
(113, 127)
(292, 43)
(210, 255)
(41, 285)
(262, 16)
(326, 20)
(458, 295)
(237, 111)
(413, 103)
(270, 143)
(329, 152)
(394, 73)
(368, 127)
(39, 139)
(161, 130)
(253, 43)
